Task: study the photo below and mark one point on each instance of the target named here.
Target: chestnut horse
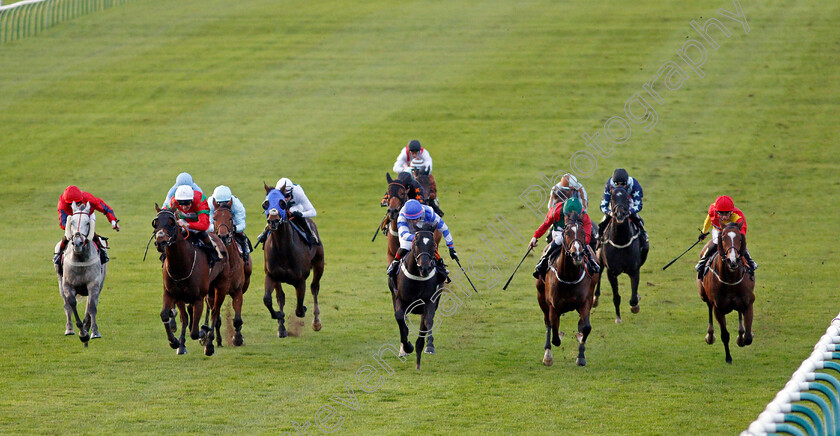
(620, 251)
(416, 286)
(187, 279)
(239, 271)
(289, 259)
(567, 286)
(728, 286)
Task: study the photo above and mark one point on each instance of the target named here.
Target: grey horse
(82, 272)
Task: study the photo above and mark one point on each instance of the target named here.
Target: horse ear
(388, 177)
(87, 208)
(215, 204)
(739, 224)
(267, 188)
(157, 208)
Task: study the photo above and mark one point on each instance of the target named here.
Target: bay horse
(728, 286)
(289, 259)
(187, 280)
(567, 286)
(414, 291)
(83, 272)
(620, 251)
(239, 271)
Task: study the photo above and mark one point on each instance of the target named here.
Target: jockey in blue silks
(411, 215)
(223, 197)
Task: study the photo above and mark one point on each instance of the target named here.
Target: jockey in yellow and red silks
(721, 213)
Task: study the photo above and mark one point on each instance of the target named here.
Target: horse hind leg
(237, 319)
(745, 336)
(315, 287)
(548, 359)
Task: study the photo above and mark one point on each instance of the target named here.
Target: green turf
(237, 93)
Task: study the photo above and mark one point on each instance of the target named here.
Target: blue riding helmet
(275, 200)
(413, 209)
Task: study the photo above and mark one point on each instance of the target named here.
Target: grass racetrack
(326, 93)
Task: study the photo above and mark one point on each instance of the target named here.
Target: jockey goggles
(184, 202)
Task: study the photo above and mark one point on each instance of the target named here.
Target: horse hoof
(748, 340)
(238, 341)
(316, 326)
(429, 350)
(300, 313)
(406, 349)
(95, 336)
(710, 339)
(209, 350)
(84, 338)
(548, 359)
(618, 321)
(634, 309)
(282, 333)
(580, 361)
(182, 350)
(729, 360)
(174, 345)
(740, 341)
(69, 332)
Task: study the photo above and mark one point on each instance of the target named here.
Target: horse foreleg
(584, 328)
(710, 332)
(634, 289)
(613, 278)
(197, 310)
(219, 290)
(429, 321)
(421, 338)
(724, 333)
(548, 359)
(399, 314)
(556, 335)
(315, 287)
(300, 294)
(185, 323)
(91, 310)
(68, 309)
(237, 319)
(597, 289)
(269, 288)
(747, 334)
(71, 301)
(165, 314)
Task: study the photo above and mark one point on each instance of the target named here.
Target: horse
(414, 292)
(728, 286)
(187, 280)
(82, 272)
(396, 197)
(289, 259)
(620, 251)
(567, 286)
(239, 271)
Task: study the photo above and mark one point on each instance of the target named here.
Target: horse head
(223, 220)
(397, 196)
(619, 204)
(166, 228)
(276, 208)
(730, 244)
(423, 249)
(80, 226)
(574, 238)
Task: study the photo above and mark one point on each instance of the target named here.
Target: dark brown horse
(567, 286)
(728, 286)
(289, 259)
(396, 197)
(187, 280)
(239, 271)
(416, 285)
(620, 251)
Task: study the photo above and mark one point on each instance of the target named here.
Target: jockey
(411, 152)
(557, 220)
(412, 214)
(65, 201)
(182, 179)
(569, 187)
(721, 213)
(634, 191)
(224, 198)
(194, 216)
(299, 207)
(419, 167)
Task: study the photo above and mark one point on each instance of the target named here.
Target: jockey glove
(453, 254)
(297, 214)
(702, 236)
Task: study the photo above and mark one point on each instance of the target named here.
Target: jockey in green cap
(556, 219)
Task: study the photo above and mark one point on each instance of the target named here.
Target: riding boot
(263, 236)
(751, 262)
(435, 207)
(645, 246)
(442, 272)
(542, 265)
(603, 224)
(312, 238)
(102, 245)
(701, 265)
(243, 242)
(59, 255)
(591, 264)
(215, 254)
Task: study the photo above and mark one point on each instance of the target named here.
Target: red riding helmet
(73, 193)
(724, 203)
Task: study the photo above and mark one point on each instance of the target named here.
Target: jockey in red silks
(65, 208)
(194, 216)
(556, 219)
(721, 213)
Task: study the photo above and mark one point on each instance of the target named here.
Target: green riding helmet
(572, 205)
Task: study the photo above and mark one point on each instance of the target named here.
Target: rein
(743, 273)
(582, 274)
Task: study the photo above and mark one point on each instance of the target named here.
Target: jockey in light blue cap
(222, 197)
(412, 214)
(181, 180)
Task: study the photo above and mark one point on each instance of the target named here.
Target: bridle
(170, 231)
(723, 253)
(417, 256)
(282, 218)
(227, 237)
(79, 226)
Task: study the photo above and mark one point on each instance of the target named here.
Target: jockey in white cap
(181, 180)
(222, 197)
(300, 209)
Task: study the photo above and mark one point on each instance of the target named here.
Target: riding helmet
(620, 176)
(724, 203)
(414, 145)
(413, 209)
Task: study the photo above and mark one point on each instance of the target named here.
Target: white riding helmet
(418, 164)
(184, 192)
(288, 183)
(222, 193)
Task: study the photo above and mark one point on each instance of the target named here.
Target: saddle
(308, 237)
